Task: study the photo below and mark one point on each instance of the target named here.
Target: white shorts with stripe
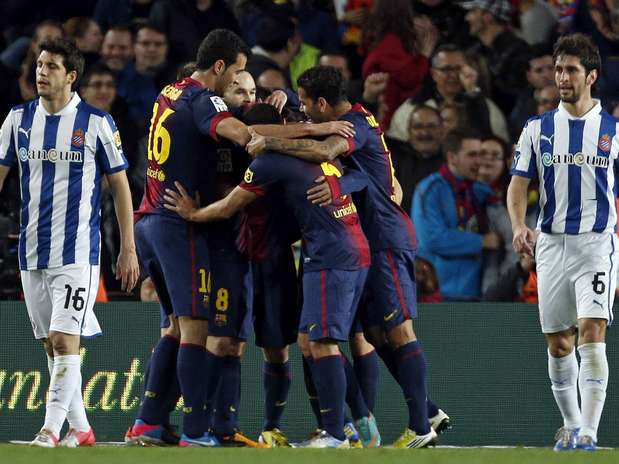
(576, 278)
(62, 299)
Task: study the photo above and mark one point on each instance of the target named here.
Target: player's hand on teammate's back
(180, 202)
(257, 144)
(127, 269)
(524, 241)
(492, 241)
(321, 193)
(277, 99)
(342, 128)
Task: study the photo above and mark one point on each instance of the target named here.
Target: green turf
(14, 454)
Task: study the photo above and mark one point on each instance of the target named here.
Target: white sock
(592, 382)
(76, 415)
(563, 374)
(62, 386)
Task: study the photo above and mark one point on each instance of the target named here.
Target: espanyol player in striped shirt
(573, 152)
(63, 148)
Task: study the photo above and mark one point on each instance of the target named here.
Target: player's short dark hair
(274, 32)
(262, 113)
(72, 58)
(581, 46)
(96, 69)
(454, 138)
(220, 44)
(323, 81)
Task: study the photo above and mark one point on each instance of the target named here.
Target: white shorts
(576, 278)
(62, 300)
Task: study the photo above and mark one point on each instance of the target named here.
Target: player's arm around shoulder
(127, 268)
(314, 151)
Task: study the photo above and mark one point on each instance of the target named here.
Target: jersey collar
(588, 115)
(69, 107)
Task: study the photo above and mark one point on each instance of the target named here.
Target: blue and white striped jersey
(575, 160)
(61, 158)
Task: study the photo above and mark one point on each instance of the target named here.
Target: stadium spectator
(110, 13)
(277, 43)
(547, 98)
(505, 53)
(452, 115)
(493, 172)
(86, 34)
(449, 213)
(448, 84)
(117, 48)
(25, 49)
(428, 290)
(517, 283)
(365, 92)
(448, 17)
(399, 44)
(540, 73)
(187, 22)
(538, 21)
(140, 82)
(421, 155)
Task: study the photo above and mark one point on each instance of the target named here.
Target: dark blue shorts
(228, 311)
(274, 301)
(330, 302)
(174, 254)
(390, 295)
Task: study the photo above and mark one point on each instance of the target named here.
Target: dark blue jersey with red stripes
(385, 224)
(332, 235)
(182, 143)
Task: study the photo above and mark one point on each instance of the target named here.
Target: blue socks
(213, 368)
(192, 375)
(330, 380)
(310, 387)
(276, 381)
(411, 364)
(228, 397)
(354, 396)
(157, 382)
(366, 371)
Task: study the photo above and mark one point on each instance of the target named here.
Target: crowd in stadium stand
(434, 72)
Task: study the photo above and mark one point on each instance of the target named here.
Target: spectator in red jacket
(399, 44)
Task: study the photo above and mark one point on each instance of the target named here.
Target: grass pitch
(15, 454)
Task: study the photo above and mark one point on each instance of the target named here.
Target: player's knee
(193, 330)
(591, 330)
(276, 355)
(64, 344)
(359, 346)
(375, 336)
(401, 335)
(224, 346)
(561, 344)
(322, 348)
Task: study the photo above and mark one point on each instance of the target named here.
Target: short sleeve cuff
(215, 121)
(260, 191)
(8, 162)
(351, 146)
(519, 173)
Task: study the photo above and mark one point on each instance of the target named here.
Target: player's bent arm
(517, 200)
(299, 130)
(4, 171)
(182, 204)
(233, 130)
(314, 151)
(127, 268)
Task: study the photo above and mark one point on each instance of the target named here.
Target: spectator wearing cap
(505, 54)
(540, 73)
(187, 22)
(452, 81)
(140, 82)
(277, 43)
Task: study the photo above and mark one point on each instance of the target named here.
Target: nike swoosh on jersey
(391, 315)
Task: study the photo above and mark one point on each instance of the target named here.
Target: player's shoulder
(91, 110)
(357, 113)
(30, 105)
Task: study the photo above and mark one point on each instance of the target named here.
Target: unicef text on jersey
(51, 155)
(578, 159)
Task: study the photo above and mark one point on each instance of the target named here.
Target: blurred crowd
(451, 82)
